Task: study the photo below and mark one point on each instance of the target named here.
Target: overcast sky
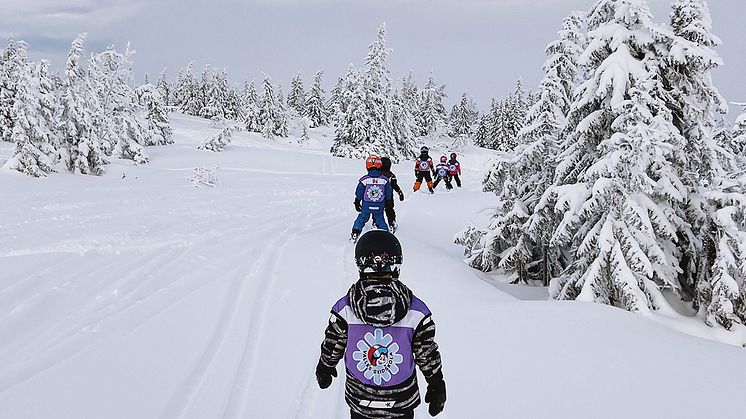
(477, 46)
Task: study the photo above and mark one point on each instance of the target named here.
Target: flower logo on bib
(377, 357)
(374, 193)
(424, 165)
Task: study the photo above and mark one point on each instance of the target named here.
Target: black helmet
(424, 150)
(453, 156)
(385, 164)
(378, 251)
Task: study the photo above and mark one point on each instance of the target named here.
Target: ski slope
(137, 296)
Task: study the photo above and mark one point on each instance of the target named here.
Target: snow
(137, 295)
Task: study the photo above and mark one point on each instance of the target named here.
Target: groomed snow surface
(136, 295)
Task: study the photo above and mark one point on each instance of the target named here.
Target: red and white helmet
(443, 159)
(373, 162)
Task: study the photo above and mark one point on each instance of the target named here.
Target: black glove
(401, 195)
(324, 375)
(436, 394)
(358, 207)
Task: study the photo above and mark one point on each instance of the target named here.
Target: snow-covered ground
(135, 296)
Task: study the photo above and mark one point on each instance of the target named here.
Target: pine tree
(463, 117)
(164, 89)
(9, 69)
(314, 105)
(80, 147)
(371, 121)
(620, 176)
(739, 136)
(518, 239)
(187, 91)
(272, 116)
(432, 114)
(297, 96)
(250, 106)
(121, 130)
(411, 98)
(305, 124)
(157, 117)
(481, 137)
(35, 151)
(694, 100)
(337, 104)
(692, 96)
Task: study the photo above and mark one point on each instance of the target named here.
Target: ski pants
(446, 179)
(458, 181)
(354, 415)
(390, 213)
(377, 213)
(423, 176)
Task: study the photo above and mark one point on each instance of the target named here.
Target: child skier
(382, 331)
(390, 213)
(422, 168)
(373, 193)
(455, 169)
(442, 172)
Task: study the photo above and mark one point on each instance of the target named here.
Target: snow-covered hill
(136, 295)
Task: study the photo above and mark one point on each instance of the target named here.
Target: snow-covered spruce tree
(250, 107)
(516, 109)
(305, 125)
(36, 142)
(481, 136)
(518, 239)
(218, 142)
(280, 95)
(156, 115)
(620, 177)
(463, 117)
(187, 91)
(80, 150)
(272, 118)
(496, 126)
(165, 90)
(368, 124)
(721, 297)
(410, 96)
(336, 104)
(694, 100)
(315, 110)
(738, 141)
(692, 96)
(432, 117)
(9, 68)
(297, 96)
(403, 122)
(121, 129)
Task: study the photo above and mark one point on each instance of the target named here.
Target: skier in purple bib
(382, 331)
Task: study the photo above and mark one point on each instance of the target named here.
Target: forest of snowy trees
(620, 179)
(621, 188)
(77, 120)
(94, 110)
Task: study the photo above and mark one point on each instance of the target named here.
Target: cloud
(55, 18)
